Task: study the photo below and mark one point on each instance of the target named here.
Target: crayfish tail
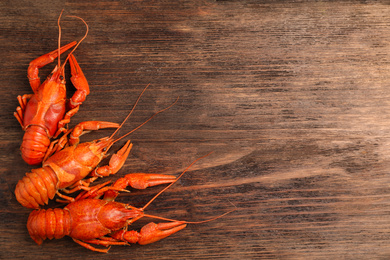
(34, 145)
(48, 224)
(36, 188)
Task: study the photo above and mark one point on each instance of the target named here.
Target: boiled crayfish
(45, 113)
(91, 220)
(68, 167)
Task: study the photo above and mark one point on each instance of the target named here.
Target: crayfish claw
(138, 181)
(149, 233)
(116, 162)
(153, 232)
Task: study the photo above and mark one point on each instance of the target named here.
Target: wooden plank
(292, 97)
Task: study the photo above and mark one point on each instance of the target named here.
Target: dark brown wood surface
(292, 97)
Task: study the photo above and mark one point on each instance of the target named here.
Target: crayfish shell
(50, 223)
(36, 188)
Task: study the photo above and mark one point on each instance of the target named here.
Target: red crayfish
(45, 113)
(68, 167)
(90, 220)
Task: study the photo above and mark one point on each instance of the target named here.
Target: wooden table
(292, 97)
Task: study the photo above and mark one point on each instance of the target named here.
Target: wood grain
(293, 97)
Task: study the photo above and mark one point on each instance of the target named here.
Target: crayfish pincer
(91, 220)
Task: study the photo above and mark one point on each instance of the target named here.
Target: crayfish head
(57, 75)
(101, 146)
(115, 215)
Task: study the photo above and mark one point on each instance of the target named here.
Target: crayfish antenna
(77, 45)
(150, 118)
(138, 127)
(190, 222)
(128, 115)
(167, 187)
(131, 111)
(59, 38)
(184, 222)
(214, 218)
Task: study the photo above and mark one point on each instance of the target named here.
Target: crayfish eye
(61, 77)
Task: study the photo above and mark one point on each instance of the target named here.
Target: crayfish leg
(85, 127)
(65, 199)
(97, 191)
(103, 241)
(88, 246)
(56, 145)
(138, 181)
(19, 114)
(62, 123)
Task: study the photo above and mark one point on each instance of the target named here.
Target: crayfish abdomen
(34, 145)
(37, 187)
(50, 223)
